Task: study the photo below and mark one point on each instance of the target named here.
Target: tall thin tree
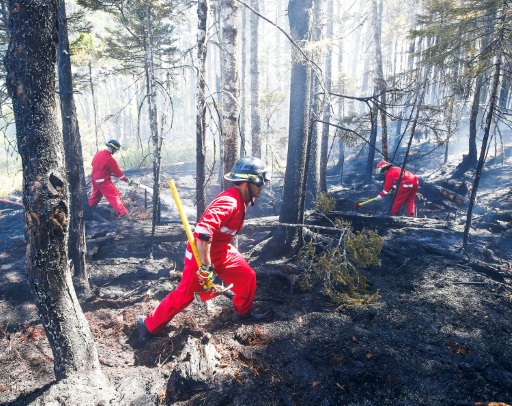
(202, 46)
(230, 87)
(291, 210)
(74, 159)
(255, 82)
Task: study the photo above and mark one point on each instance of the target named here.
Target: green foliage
(463, 37)
(324, 203)
(335, 266)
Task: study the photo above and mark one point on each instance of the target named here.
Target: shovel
(367, 201)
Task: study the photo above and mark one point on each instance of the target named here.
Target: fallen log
(137, 234)
(11, 202)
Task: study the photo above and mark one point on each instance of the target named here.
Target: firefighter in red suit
(103, 167)
(221, 221)
(406, 192)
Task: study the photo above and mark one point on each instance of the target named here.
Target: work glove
(379, 197)
(130, 182)
(205, 275)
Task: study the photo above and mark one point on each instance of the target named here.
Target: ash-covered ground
(439, 333)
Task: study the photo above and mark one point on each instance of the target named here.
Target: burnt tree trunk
(324, 144)
(255, 83)
(202, 29)
(314, 146)
(153, 119)
(94, 108)
(230, 88)
(380, 83)
(286, 238)
(74, 160)
(485, 139)
(30, 65)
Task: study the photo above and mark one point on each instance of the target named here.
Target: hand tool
(210, 290)
(367, 201)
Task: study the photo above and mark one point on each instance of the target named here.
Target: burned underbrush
(374, 311)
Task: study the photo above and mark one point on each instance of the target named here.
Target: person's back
(104, 165)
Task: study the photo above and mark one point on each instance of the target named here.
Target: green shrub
(324, 203)
(334, 265)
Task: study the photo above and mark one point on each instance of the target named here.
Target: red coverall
(406, 193)
(222, 220)
(104, 165)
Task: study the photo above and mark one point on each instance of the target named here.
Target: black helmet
(249, 169)
(113, 144)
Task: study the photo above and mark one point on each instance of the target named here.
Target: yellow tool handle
(368, 201)
(184, 220)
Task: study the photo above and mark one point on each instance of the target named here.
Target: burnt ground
(439, 333)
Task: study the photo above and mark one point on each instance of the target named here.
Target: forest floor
(438, 334)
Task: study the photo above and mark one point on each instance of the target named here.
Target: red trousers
(109, 190)
(405, 195)
(231, 267)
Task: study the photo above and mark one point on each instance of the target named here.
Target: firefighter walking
(103, 167)
(222, 220)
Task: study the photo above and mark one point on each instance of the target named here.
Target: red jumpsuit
(222, 220)
(103, 166)
(406, 193)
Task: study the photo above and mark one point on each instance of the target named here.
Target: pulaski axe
(359, 204)
(210, 290)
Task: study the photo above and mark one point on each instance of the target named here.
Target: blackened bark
(255, 83)
(30, 65)
(313, 154)
(230, 88)
(286, 238)
(153, 120)
(485, 139)
(374, 113)
(324, 145)
(380, 83)
(74, 160)
(202, 26)
(470, 160)
(94, 109)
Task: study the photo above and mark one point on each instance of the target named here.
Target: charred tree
(30, 65)
(313, 154)
(74, 160)
(255, 82)
(230, 88)
(153, 119)
(380, 83)
(483, 150)
(243, 85)
(202, 29)
(94, 108)
(287, 237)
(324, 143)
(372, 143)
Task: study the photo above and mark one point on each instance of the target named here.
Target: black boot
(248, 318)
(144, 334)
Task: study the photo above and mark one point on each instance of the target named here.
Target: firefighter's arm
(203, 249)
(116, 170)
(389, 182)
